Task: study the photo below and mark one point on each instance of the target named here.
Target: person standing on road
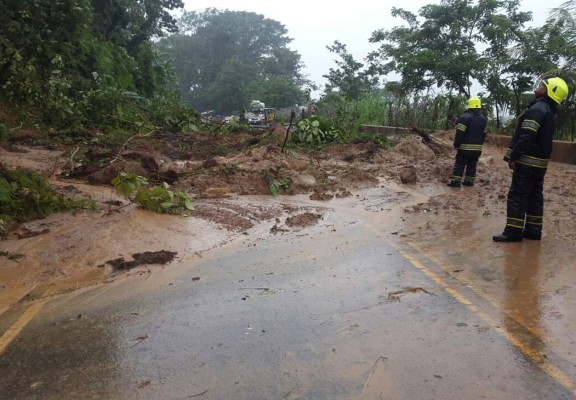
(528, 157)
(468, 141)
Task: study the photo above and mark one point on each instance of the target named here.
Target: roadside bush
(313, 131)
(159, 199)
(388, 109)
(26, 195)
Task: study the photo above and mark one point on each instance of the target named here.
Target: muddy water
(73, 254)
(361, 305)
(531, 284)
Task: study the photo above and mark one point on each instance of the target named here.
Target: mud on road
(226, 177)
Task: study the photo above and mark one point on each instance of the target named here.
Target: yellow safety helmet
(474, 102)
(556, 89)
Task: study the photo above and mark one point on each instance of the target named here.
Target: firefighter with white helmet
(468, 141)
(528, 157)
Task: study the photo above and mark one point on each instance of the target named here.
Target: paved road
(342, 310)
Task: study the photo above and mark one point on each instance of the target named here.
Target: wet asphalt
(342, 310)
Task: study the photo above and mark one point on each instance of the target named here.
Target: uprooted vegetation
(26, 195)
(158, 199)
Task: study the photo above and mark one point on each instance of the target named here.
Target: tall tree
(562, 27)
(129, 23)
(502, 32)
(443, 49)
(222, 58)
(350, 77)
(530, 56)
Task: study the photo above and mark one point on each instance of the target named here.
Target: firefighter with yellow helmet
(468, 141)
(528, 156)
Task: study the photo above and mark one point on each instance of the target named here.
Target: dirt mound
(210, 165)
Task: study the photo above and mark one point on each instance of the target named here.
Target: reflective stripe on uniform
(534, 220)
(534, 162)
(531, 125)
(470, 147)
(460, 127)
(515, 223)
(507, 155)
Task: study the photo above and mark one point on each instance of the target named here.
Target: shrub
(313, 131)
(26, 195)
(159, 199)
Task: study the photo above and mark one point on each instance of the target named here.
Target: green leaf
(188, 204)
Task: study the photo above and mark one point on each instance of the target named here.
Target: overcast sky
(313, 25)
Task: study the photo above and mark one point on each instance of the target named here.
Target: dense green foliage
(78, 65)
(225, 59)
(389, 108)
(73, 65)
(442, 49)
(451, 46)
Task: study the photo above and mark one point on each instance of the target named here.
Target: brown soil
(222, 174)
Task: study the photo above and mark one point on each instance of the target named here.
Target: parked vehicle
(254, 118)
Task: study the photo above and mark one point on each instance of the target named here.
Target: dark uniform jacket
(531, 144)
(470, 131)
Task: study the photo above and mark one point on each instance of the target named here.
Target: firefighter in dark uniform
(468, 141)
(528, 157)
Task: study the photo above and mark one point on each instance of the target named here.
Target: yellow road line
(534, 331)
(527, 350)
(18, 326)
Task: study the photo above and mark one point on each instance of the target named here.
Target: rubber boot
(506, 238)
(532, 235)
